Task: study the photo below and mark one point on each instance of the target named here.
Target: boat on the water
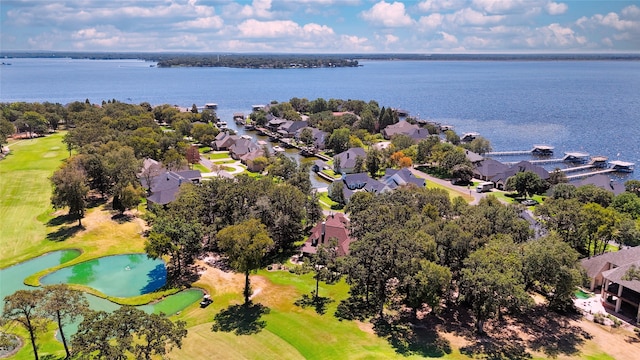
(278, 149)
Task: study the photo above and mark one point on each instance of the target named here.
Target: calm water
(119, 275)
(590, 106)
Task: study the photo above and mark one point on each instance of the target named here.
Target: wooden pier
(590, 173)
(540, 150)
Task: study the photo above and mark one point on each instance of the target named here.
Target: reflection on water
(120, 275)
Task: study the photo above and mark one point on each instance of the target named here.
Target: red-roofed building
(334, 227)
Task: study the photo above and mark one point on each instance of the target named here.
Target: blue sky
(322, 26)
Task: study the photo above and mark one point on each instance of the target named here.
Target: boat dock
(590, 173)
(289, 143)
(539, 150)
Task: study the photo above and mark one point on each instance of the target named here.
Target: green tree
(306, 136)
(124, 333)
(23, 306)
(324, 265)
(373, 161)
(551, 266)
(359, 165)
(632, 186)
(246, 245)
(627, 203)
(204, 133)
(525, 183)
(64, 305)
(128, 198)
(339, 140)
(597, 228)
(194, 109)
(70, 189)
(336, 192)
(479, 145)
(33, 122)
(178, 230)
(492, 280)
(402, 141)
(464, 172)
(427, 285)
(6, 129)
(452, 137)
(593, 194)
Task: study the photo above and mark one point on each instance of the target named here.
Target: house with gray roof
(401, 127)
(241, 148)
(319, 136)
(607, 273)
(290, 128)
(348, 159)
(603, 181)
(395, 178)
(224, 141)
(164, 187)
(488, 168)
(500, 180)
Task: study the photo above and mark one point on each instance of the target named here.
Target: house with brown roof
(607, 273)
(335, 226)
(248, 160)
(224, 141)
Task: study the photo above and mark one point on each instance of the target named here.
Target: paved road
(463, 190)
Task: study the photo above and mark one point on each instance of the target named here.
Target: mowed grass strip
(25, 194)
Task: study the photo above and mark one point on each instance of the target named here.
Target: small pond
(119, 275)
(12, 278)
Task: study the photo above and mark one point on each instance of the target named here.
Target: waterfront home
(500, 180)
(242, 147)
(336, 226)
(607, 272)
(288, 129)
(473, 158)
(319, 136)
(604, 182)
(488, 168)
(405, 128)
(248, 160)
(224, 141)
(348, 159)
(273, 123)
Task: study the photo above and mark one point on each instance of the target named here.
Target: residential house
(336, 226)
(361, 182)
(348, 159)
(474, 158)
(248, 160)
(395, 178)
(405, 128)
(224, 141)
(319, 136)
(273, 123)
(242, 147)
(163, 187)
(607, 274)
(603, 181)
(289, 128)
(488, 168)
(500, 180)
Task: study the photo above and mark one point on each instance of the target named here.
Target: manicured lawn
(201, 167)
(218, 155)
(25, 195)
(204, 149)
(332, 174)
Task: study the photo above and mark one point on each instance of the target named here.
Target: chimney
(347, 155)
(324, 225)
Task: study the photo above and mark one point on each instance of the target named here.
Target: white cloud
(469, 16)
(430, 22)
(554, 8)
(503, 6)
(281, 28)
(556, 35)
(388, 14)
(631, 11)
(210, 22)
(439, 5)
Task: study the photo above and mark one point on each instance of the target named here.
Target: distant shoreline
(284, 61)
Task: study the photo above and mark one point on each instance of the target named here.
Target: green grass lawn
(201, 167)
(218, 155)
(332, 174)
(204, 149)
(25, 195)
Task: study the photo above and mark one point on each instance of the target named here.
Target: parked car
(529, 202)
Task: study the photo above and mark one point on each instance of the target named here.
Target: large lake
(591, 106)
